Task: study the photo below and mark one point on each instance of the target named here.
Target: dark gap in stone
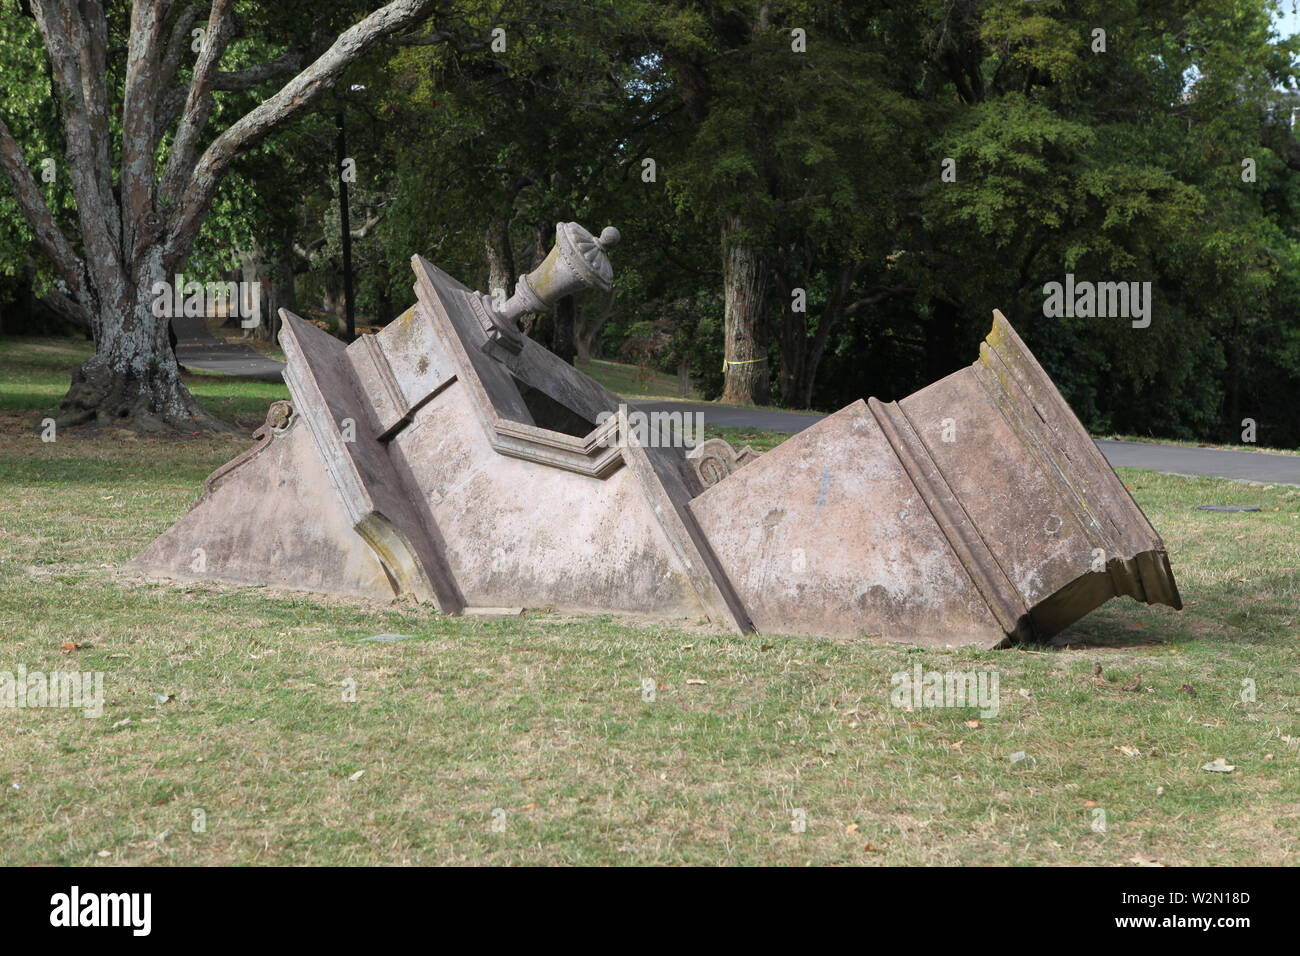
(548, 413)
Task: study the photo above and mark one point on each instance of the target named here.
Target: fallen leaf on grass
(973, 724)
(1218, 765)
(851, 828)
(1128, 751)
(357, 775)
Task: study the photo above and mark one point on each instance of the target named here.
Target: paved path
(1171, 459)
(197, 348)
(1212, 462)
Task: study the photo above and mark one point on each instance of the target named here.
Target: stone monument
(452, 460)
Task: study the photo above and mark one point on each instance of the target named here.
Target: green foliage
(1116, 165)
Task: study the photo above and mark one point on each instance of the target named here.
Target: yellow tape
(726, 362)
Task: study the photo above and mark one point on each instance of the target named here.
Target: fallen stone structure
(452, 460)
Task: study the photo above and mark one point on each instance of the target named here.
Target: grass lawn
(633, 382)
(542, 717)
(35, 373)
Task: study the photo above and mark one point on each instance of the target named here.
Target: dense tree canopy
(824, 198)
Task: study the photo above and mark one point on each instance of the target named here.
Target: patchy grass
(756, 438)
(633, 382)
(543, 717)
(35, 374)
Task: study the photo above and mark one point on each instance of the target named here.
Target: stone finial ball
(609, 236)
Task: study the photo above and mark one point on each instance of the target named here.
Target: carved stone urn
(576, 263)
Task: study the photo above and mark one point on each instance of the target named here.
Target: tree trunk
(133, 378)
(588, 324)
(253, 273)
(139, 227)
(500, 258)
(332, 299)
(586, 335)
(533, 324)
(800, 392)
(793, 339)
(563, 344)
(744, 286)
(283, 294)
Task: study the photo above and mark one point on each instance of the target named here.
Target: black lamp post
(346, 230)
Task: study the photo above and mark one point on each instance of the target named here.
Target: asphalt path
(197, 348)
(1171, 459)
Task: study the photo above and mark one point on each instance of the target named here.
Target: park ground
(232, 702)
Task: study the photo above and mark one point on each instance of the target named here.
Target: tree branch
(198, 102)
(32, 204)
(316, 245)
(178, 43)
(286, 64)
(96, 206)
(70, 309)
(429, 39)
(91, 43)
(172, 102)
(293, 98)
(140, 223)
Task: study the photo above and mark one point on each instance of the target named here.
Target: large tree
(144, 169)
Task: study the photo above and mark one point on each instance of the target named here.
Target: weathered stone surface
(714, 459)
(451, 460)
(826, 534)
(975, 511)
(272, 519)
